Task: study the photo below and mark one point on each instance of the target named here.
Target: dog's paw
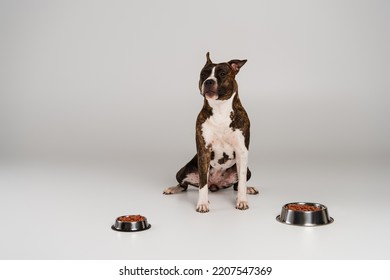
(252, 190)
(173, 190)
(202, 207)
(242, 205)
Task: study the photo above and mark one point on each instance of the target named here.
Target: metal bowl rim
(322, 206)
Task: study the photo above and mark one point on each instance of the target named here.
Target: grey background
(108, 90)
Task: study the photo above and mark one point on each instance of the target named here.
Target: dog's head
(217, 81)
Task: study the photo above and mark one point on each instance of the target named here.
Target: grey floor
(119, 83)
(64, 210)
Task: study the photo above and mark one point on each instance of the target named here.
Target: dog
(222, 138)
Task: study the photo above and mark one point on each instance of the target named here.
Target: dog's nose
(209, 82)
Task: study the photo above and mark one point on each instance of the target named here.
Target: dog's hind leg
(175, 189)
(188, 175)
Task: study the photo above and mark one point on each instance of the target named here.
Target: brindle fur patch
(224, 159)
(240, 120)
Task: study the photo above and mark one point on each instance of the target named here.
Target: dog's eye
(222, 74)
(203, 75)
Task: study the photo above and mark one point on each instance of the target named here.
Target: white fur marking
(242, 165)
(203, 201)
(173, 190)
(216, 128)
(211, 77)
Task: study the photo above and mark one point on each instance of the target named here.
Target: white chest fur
(217, 133)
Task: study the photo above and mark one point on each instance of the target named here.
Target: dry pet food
(303, 207)
(131, 218)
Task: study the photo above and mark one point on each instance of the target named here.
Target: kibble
(303, 207)
(131, 218)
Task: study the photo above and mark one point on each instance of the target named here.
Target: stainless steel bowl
(122, 223)
(297, 213)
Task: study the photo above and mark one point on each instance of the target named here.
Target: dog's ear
(208, 58)
(237, 64)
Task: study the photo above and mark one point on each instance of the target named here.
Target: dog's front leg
(204, 155)
(242, 167)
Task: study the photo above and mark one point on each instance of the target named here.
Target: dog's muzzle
(210, 88)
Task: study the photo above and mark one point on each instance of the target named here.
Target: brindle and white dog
(222, 138)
